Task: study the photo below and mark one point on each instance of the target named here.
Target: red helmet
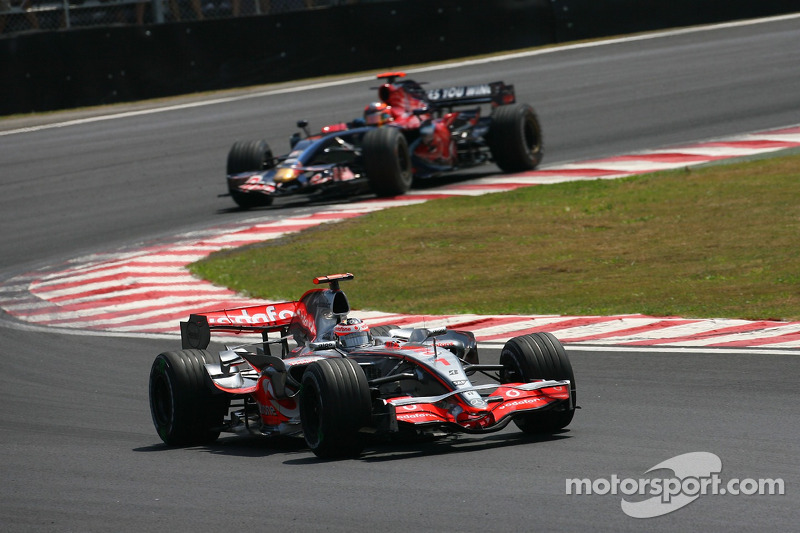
(352, 333)
(377, 114)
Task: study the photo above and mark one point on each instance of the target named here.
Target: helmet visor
(354, 340)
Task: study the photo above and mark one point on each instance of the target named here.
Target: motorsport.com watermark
(695, 474)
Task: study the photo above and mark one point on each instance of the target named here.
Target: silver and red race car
(408, 133)
(341, 384)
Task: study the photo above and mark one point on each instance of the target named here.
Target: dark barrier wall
(56, 70)
(64, 69)
(586, 19)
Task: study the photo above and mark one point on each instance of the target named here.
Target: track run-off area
(148, 289)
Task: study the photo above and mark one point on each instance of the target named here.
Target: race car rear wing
(495, 93)
(298, 316)
(264, 319)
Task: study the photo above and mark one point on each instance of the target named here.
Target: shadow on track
(375, 451)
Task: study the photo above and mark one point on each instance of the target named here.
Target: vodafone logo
(269, 316)
(415, 415)
(520, 403)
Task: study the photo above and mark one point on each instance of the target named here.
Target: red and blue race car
(408, 133)
(341, 383)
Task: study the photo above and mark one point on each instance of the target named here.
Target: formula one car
(410, 133)
(344, 383)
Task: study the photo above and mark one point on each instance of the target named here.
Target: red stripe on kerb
(497, 186)
(672, 157)
(710, 334)
(749, 144)
(551, 327)
(780, 132)
(632, 331)
(749, 343)
(579, 172)
(132, 276)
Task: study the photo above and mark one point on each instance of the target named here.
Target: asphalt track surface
(78, 449)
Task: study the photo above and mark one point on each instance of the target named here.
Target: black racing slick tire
(335, 404)
(246, 156)
(186, 409)
(249, 156)
(538, 356)
(387, 161)
(515, 138)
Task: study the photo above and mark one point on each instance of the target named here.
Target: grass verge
(719, 241)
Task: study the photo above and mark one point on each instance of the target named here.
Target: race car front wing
(472, 414)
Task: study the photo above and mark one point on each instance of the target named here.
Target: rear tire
(249, 156)
(387, 161)
(515, 138)
(335, 404)
(185, 407)
(538, 356)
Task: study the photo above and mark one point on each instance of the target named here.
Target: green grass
(720, 241)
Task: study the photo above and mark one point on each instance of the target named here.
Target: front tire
(538, 356)
(186, 410)
(515, 138)
(249, 156)
(387, 161)
(335, 404)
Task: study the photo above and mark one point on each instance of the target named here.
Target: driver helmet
(377, 114)
(352, 333)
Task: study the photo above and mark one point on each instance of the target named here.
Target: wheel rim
(404, 161)
(531, 138)
(512, 372)
(163, 407)
(311, 414)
